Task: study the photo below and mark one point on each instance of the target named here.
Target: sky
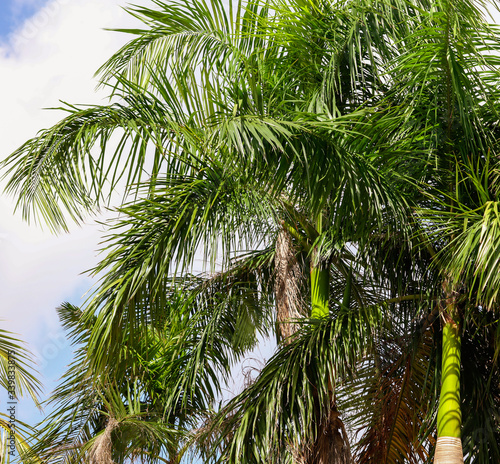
(49, 51)
(15, 11)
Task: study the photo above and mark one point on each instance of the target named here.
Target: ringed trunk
(449, 442)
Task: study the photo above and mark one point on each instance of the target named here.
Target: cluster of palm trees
(335, 166)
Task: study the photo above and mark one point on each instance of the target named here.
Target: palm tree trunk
(287, 286)
(331, 445)
(102, 450)
(449, 443)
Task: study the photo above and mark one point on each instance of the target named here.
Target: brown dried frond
(331, 445)
(402, 380)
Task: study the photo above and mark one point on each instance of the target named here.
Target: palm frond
(16, 369)
(283, 408)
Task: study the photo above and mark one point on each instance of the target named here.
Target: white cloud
(495, 13)
(51, 57)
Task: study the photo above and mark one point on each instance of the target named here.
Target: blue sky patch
(14, 12)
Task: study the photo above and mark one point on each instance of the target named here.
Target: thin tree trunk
(101, 452)
(287, 286)
(449, 443)
(331, 446)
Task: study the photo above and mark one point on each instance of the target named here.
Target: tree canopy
(335, 164)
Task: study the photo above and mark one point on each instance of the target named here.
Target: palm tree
(456, 101)
(310, 128)
(15, 366)
(111, 416)
(217, 179)
(448, 101)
